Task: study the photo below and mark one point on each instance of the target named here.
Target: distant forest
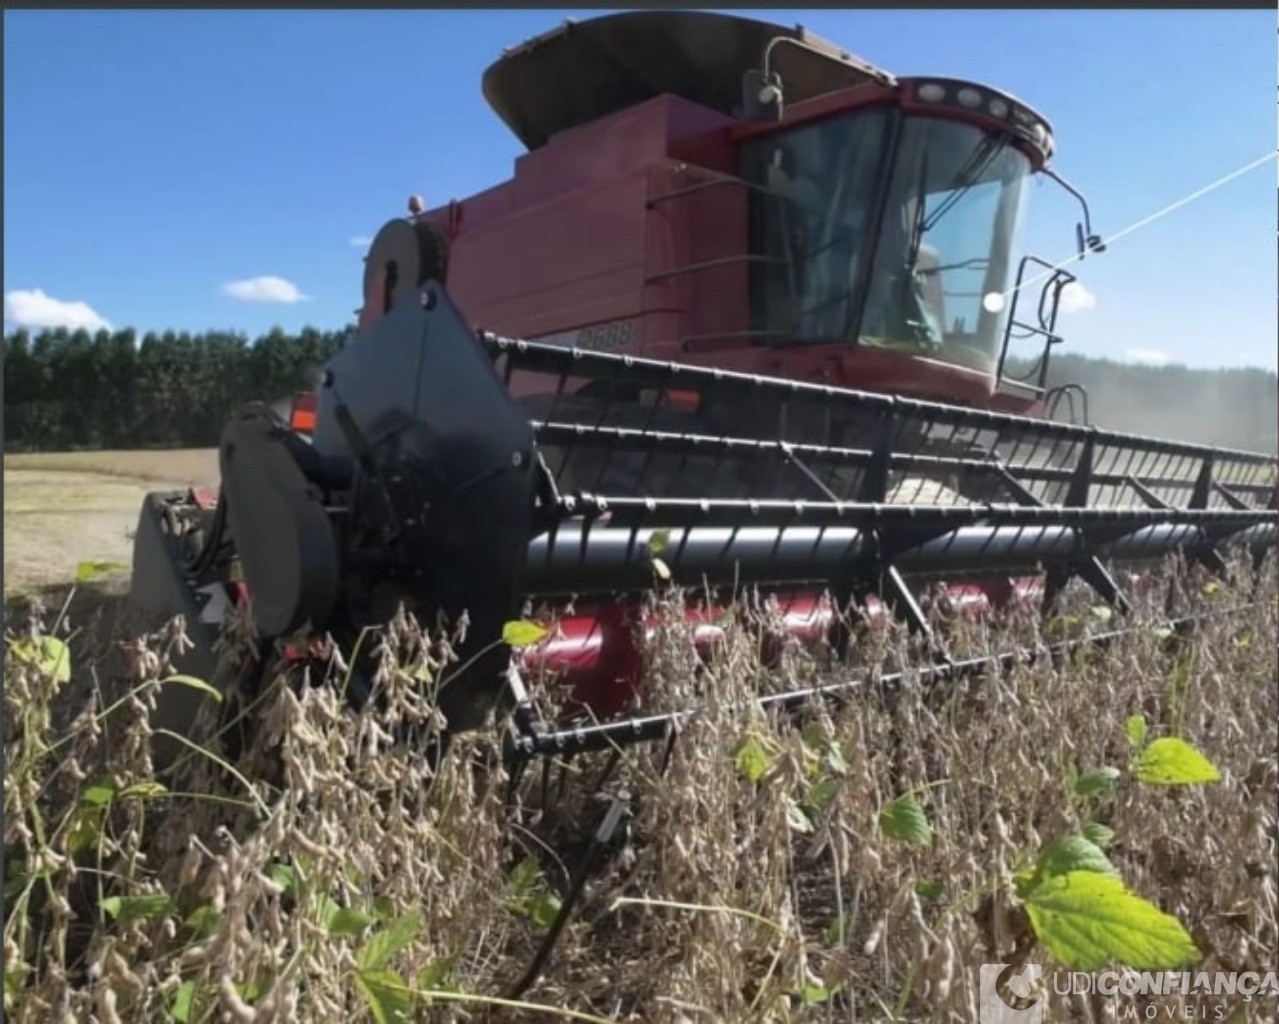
(66, 390)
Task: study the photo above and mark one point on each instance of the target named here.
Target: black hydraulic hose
(603, 835)
(203, 561)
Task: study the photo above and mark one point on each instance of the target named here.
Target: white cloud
(264, 289)
(1151, 356)
(37, 311)
(1075, 298)
(361, 241)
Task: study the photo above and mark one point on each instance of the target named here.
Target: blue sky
(154, 159)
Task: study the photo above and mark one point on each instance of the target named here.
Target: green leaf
(1074, 853)
(194, 684)
(1136, 729)
(1211, 588)
(522, 633)
(436, 976)
(753, 759)
(143, 790)
(797, 819)
(661, 569)
(203, 921)
(98, 795)
(50, 656)
(15, 975)
(327, 908)
(525, 875)
(1087, 920)
(929, 888)
(183, 1003)
(532, 898)
(1096, 780)
(814, 995)
(658, 542)
(904, 819)
(1098, 834)
(1169, 761)
(85, 829)
(821, 793)
(543, 908)
(16, 879)
(389, 999)
(285, 876)
(382, 946)
(833, 757)
(137, 908)
(348, 921)
(1102, 612)
(87, 572)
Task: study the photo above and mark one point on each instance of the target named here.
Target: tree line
(67, 390)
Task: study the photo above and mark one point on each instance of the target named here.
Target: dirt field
(67, 507)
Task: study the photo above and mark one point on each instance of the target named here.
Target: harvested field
(65, 507)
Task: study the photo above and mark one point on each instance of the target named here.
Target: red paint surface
(580, 236)
(595, 657)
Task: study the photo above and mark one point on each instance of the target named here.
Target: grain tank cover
(581, 72)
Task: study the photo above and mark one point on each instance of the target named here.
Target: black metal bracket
(1088, 568)
(875, 477)
(881, 577)
(1208, 553)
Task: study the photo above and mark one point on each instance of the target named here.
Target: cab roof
(581, 72)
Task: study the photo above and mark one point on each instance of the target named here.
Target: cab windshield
(946, 235)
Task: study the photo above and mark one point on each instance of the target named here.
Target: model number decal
(610, 337)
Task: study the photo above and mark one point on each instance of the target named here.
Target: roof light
(969, 98)
(931, 92)
(998, 107)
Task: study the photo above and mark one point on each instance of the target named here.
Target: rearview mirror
(1086, 243)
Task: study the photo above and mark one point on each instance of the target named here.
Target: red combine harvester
(748, 304)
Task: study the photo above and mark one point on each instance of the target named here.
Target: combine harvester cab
(699, 369)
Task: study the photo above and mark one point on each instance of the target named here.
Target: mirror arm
(1084, 238)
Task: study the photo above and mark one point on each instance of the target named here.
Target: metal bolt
(517, 459)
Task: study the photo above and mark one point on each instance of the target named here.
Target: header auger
(758, 367)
